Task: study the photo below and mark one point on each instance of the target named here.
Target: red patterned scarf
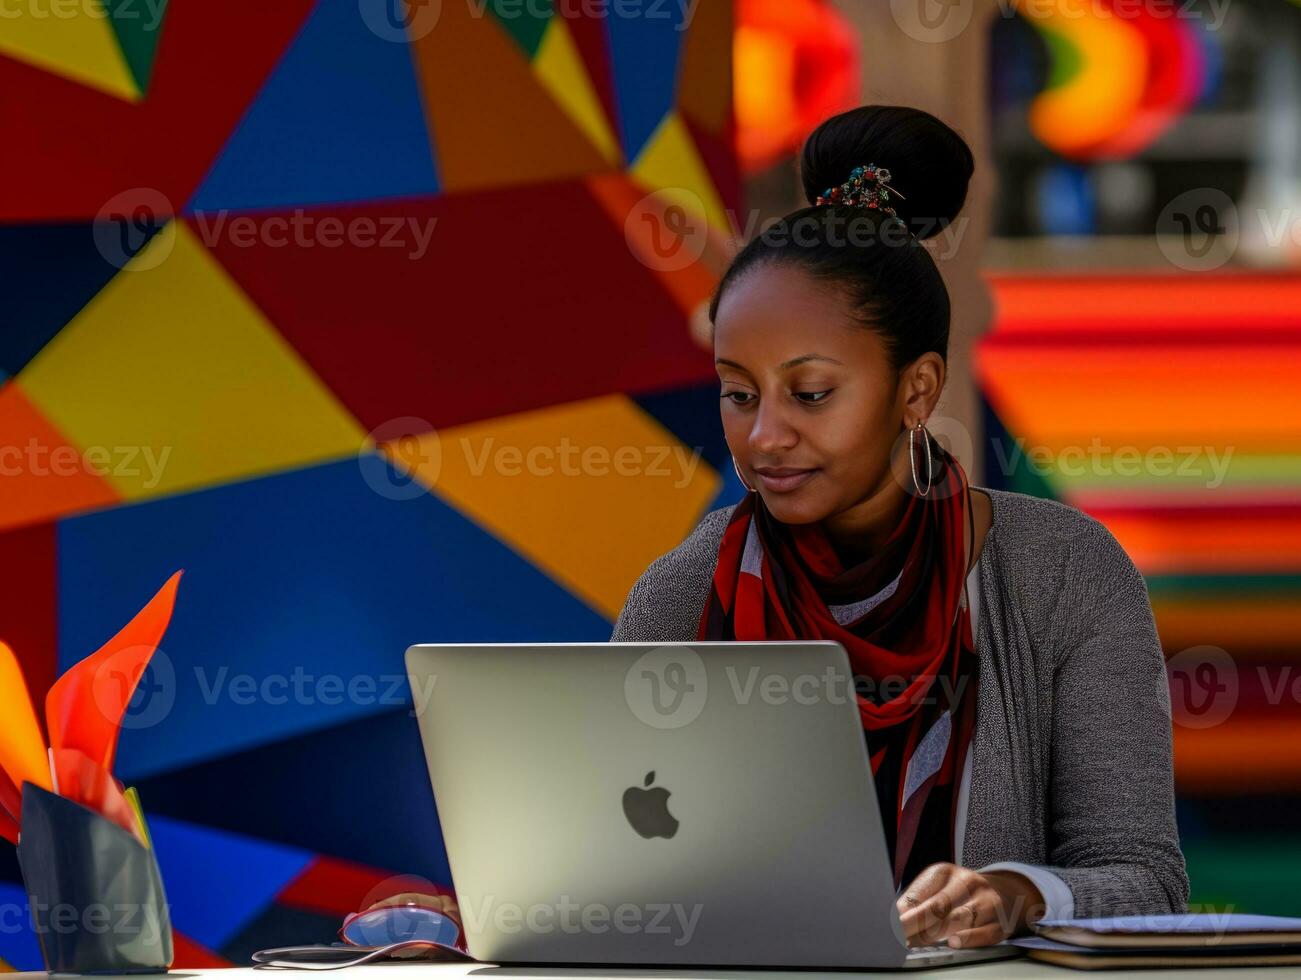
(903, 618)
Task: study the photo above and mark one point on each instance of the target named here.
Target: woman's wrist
(963, 907)
(1023, 903)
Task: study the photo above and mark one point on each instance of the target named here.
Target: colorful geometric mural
(376, 325)
(1166, 407)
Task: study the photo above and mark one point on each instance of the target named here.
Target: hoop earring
(912, 458)
(748, 488)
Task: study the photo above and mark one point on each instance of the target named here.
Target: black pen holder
(96, 896)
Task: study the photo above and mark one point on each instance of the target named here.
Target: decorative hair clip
(867, 187)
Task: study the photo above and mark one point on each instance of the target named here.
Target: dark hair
(879, 261)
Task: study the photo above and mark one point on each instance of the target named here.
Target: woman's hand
(439, 903)
(966, 908)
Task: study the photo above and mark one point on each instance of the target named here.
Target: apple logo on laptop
(648, 809)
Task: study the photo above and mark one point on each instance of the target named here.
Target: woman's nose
(772, 432)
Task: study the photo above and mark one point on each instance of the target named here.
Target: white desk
(999, 970)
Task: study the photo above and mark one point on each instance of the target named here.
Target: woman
(1024, 769)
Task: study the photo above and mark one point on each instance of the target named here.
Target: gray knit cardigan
(1071, 764)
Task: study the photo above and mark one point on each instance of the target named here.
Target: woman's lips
(783, 479)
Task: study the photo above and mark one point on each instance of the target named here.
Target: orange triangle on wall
(705, 77)
(492, 119)
(42, 475)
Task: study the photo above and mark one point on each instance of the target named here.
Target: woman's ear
(920, 384)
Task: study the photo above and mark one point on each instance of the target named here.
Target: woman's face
(811, 408)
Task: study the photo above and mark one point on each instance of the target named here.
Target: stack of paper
(1194, 939)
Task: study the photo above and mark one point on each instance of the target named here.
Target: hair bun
(929, 163)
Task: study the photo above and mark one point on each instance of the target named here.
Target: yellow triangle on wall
(75, 40)
(671, 163)
(560, 67)
(174, 374)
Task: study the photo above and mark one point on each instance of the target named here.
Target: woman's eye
(739, 397)
(813, 397)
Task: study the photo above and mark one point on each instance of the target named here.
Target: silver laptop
(702, 804)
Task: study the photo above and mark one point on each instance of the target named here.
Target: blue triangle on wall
(645, 48)
(217, 881)
(51, 272)
(382, 751)
(294, 584)
(340, 119)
